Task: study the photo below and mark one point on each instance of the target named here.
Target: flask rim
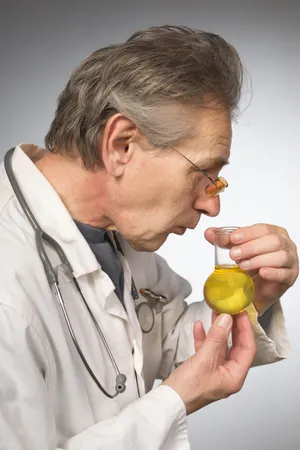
(225, 230)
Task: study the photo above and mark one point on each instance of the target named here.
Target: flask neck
(223, 246)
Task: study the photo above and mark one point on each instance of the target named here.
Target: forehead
(212, 136)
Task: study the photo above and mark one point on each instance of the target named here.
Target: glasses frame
(214, 182)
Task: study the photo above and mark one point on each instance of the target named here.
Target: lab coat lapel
(130, 303)
(114, 307)
(135, 328)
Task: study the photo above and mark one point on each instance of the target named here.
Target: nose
(210, 206)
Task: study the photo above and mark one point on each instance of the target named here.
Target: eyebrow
(214, 163)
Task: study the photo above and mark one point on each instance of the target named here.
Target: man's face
(162, 193)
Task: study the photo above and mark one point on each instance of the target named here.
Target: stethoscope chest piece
(146, 310)
(145, 316)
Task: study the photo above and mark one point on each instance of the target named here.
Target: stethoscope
(144, 310)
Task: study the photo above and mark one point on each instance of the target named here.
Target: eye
(195, 178)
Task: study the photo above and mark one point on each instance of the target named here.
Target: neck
(82, 191)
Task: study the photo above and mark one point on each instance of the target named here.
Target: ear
(116, 145)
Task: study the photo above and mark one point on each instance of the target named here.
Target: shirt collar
(50, 212)
(91, 234)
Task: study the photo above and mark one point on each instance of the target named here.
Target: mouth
(193, 226)
(180, 230)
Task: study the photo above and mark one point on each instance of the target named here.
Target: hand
(268, 254)
(211, 374)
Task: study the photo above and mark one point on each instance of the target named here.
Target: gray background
(41, 43)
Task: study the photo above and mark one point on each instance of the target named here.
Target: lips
(180, 230)
(189, 227)
(192, 227)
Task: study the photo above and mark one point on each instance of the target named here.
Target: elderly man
(90, 316)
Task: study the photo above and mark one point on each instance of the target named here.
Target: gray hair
(154, 79)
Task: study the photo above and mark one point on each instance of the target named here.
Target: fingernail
(236, 252)
(245, 264)
(237, 237)
(224, 320)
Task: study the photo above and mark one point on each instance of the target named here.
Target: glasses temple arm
(196, 167)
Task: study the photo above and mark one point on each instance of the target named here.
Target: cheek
(180, 203)
(158, 196)
(162, 194)
(186, 191)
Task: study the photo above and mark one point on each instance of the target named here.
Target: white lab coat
(47, 398)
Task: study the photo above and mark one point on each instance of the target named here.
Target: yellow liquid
(228, 290)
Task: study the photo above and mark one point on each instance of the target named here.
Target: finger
(210, 235)
(243, 348)
(281, 275)
(199, 335)
(279, 259)
(241, 330)
(252, 232)
(216, 343)
(224, 351)
(260, 246)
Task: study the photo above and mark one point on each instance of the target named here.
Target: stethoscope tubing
(52, 279)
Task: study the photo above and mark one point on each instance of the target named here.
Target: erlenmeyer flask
(228, 289)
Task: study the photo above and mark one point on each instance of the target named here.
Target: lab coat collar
(52, 215)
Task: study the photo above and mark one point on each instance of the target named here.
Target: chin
(151, 245)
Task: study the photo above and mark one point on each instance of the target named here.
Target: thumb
(199, 335)
(210, 235)
(214, 316)
(216, 343)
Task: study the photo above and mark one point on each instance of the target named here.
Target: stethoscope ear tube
(40, 235)
(17, 190)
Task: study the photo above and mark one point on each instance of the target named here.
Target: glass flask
(228, 289)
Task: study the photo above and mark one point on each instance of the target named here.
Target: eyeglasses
(215, 187)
